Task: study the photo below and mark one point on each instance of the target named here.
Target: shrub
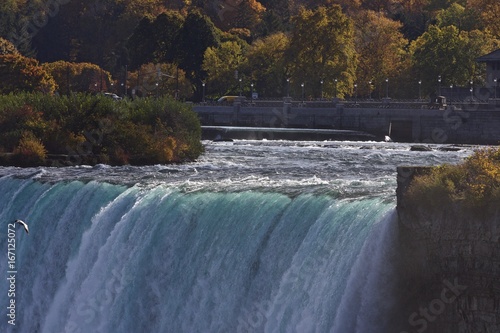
(474, 184)
(97, 129)
(30, 151)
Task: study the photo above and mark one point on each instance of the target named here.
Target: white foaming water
(253, 237)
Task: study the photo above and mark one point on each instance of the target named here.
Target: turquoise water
(195, 249)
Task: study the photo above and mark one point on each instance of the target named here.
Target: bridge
(459, 122)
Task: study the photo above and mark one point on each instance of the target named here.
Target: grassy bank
(471, 185)
(87, 129)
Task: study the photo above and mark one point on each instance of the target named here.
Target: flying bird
(25, 226)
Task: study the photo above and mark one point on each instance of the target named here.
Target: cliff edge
(450, 262)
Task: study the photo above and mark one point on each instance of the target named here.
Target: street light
(321, 89)
(451, 91)
(387, 88)
(471, 89)
(336, 88)
(288, 87)
(240, 85)
(203, 85)
(251, 93)
(496, 85)
(439, 85)
(370, 89)
(302, 85)
(419, 90)
(355, 91)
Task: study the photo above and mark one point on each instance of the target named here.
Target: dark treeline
(216, 47)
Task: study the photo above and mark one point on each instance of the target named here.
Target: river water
(255, 236)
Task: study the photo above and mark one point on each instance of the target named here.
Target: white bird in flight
(25, 226)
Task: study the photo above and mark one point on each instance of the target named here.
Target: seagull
(25, 226)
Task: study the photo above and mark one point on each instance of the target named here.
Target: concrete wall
(470, 124)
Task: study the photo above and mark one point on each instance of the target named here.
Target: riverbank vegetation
(197, 49)
(474, 184)
(40, 129)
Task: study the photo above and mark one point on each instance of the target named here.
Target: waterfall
(112, 258)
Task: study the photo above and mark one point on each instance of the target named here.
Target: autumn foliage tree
(20, 73)
(381, 48)
(78, 77)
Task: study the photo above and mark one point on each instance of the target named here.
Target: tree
(490, 12)
(463, 18)
(20, 73)
(196, 35)
(322, 48)
(266, 64)
(7, 47)
(160, 80)
(381, 48)
(78, 77)
(142, 44)
(166, 28)
(450, 54)
(249, 14)
(220, 64)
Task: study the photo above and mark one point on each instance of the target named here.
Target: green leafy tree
(464, 18)
(220, 64)
(451, 54)
(266, 64)
(322, 48)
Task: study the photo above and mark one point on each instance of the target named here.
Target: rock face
(450, 267)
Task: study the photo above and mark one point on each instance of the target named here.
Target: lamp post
(496, 85)
(451, 91)
(203, 98)
(157, 92)
(288, 87)
(419, 90)
(370, 89)
(387, 88)
(321, 89)
(439, 85)
(302, 85)
(471, 90)
(251, 91)
(240, 85)
(355, 92)
(336, 81)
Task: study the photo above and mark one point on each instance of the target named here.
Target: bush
(30, 151)
(474, 184)
(96, 129)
